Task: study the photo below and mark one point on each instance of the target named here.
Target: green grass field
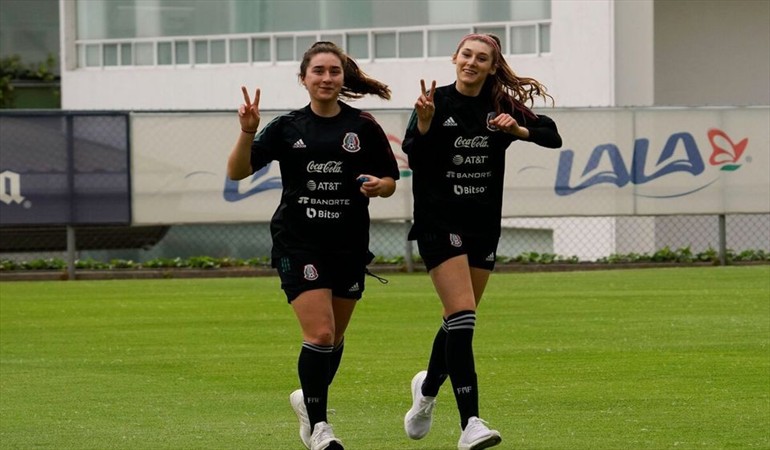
(625, 359)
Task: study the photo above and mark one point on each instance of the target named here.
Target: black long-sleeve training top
(459, 164)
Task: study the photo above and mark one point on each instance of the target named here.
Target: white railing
(518, 38)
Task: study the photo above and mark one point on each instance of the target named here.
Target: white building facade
(153, 54)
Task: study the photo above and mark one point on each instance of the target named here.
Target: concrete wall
(712, 52)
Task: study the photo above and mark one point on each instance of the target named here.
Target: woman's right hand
(424, 107)
(248, 112)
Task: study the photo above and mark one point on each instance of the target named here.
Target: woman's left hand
(507, 124)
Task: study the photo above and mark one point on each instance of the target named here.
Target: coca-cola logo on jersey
(474, 142)
(324, 167)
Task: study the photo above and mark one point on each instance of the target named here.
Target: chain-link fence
(72, 187)
(574, 238)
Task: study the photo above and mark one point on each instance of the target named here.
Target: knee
(321, 336)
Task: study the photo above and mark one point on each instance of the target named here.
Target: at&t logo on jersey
(473, 159)
(680, 154)
(351, 143)
(10, 188)
(312, 185)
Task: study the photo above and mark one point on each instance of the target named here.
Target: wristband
(249, 132)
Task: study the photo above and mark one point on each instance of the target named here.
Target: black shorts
(435, 248)
(302, 271)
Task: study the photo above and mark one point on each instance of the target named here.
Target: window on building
(260, 50)
(358, 45)
(410, 44)
(385, 45)
(110, 54)
(218, 52)
(201, 52)
(523, 40)
(182, 52)
(165, 53)
(126, 55)
(239, 50)
(144, 54)
(369, 29)
(30, 30)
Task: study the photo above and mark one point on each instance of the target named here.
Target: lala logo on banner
(260, 181)
(725, 154)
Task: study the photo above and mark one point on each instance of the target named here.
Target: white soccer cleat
(297, 400)
(323, 438)
(419, 418)
(477, 436)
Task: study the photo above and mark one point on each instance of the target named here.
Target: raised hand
(248, 112)
(424, 106)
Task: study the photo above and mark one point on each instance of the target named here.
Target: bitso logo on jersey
(351, 143)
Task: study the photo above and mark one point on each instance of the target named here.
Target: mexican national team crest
(491, 115)
(310, 272)
(455, 240)
(351, 143)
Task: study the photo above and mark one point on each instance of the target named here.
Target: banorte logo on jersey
(726, 155)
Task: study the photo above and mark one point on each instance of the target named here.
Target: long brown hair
(357, 83)
(505, 86)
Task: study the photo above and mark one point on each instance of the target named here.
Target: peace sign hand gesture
(424, 107)
(248, 112)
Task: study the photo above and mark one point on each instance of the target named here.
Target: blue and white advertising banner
(613, 162)
(645, 162)
(179, 171)
(59, 168)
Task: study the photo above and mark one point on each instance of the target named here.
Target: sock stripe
(465, 320)
(318, 348)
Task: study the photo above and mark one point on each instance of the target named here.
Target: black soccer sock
(313, 369)
(437, 372)
(336, 358)
(460, 363)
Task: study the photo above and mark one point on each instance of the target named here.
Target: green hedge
(664, 255)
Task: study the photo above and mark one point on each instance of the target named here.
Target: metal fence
(723, 237)
(79, 164)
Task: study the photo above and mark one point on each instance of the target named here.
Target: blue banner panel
(64, 168)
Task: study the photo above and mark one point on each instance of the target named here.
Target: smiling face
(474, 61)
(323, 78)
